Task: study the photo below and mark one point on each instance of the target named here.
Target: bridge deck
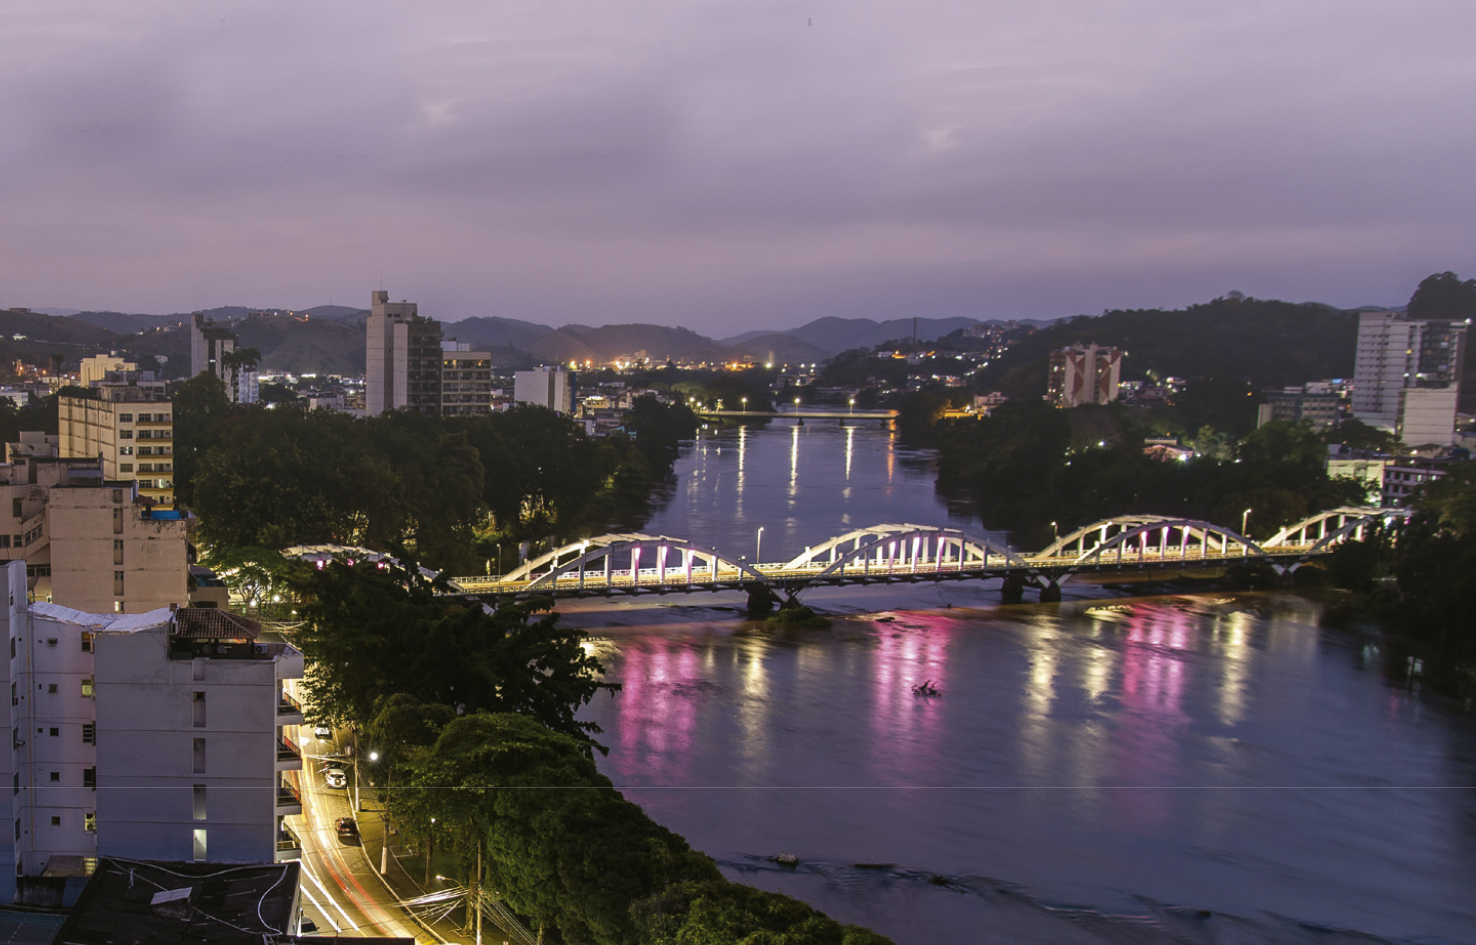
(653, 581)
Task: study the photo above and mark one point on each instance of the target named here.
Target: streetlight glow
(758, 544)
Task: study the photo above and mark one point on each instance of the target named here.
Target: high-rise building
(1084, 374)
(402, 358)
(1407, 375)
(128, 421)
(466, 380)
(96, 368)
(148, 736)
(550, 387)
(212, 349)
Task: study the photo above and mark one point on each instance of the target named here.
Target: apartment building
(148, 736)
(1299, 403)
(128, 422)
(1084, 374)
(550, 387)
(1407, 376)
(466, 380)
(402, 358)
(89, 543)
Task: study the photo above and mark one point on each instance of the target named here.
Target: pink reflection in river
(908, 728)
(1146, 743)
(657, 706)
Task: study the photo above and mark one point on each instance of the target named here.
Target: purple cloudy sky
(724, 165)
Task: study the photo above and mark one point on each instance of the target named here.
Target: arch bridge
(638, 563)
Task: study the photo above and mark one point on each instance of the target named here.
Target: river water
(1198, 768)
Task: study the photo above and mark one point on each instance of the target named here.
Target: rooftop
(206, 903)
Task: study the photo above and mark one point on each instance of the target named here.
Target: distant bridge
(635, 563)
(836, 414)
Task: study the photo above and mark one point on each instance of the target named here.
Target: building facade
(88, 543)
(550, 387)
(1084, 374)
(466, 380)
(1407, 376)
(1298, 403)
(402, 369)
(149, 736)
(212, 350)
(129, 423)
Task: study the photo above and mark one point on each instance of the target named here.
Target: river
(1201, 768)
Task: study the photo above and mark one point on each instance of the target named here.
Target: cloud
(731, 162)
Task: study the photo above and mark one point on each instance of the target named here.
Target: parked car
(335, 778)
(348, 828)
(323, 732)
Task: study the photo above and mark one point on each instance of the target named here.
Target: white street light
(758, 545)
(1244, 517)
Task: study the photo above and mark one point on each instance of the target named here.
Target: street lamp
(1055, 533)
(758, 545)
(745, 405)
(1244, 516)
(853, 406)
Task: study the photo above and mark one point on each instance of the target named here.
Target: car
(347, 827)
(323, 732)
(335, 778)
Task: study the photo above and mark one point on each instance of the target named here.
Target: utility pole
(476, 898)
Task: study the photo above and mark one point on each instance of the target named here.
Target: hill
(121, 323)
(779, 348)
(337, 313)
(581, 342)
(494, 332)
(834, 335)
(304, 346)
(1269, 342)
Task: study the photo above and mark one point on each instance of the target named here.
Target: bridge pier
(1050, 593)
(1013, 589)
(761, 599)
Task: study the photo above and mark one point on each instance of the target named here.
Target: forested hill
(1271, 343)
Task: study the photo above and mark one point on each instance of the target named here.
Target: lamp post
(1055, 535)
(758, 545)
(1244, 517)
(745, 405)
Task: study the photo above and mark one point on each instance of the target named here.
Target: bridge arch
(915, 548)
(1097, 533)
(1191, 534)
(627, 550)
(1317, 529)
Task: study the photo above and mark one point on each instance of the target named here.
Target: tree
(1444, 296)
(374, 631)
(201, 413)
(724, 912)
(564, 848)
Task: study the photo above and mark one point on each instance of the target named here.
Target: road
(341, 892)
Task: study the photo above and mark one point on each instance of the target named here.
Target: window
(56, 820)
(86, 641)
(55, 731)
(125, 434)
(124, 451)
(200, 847)
(117, 583)
(125, 418)
(117, 521)
(51, 688)
(145, 417)
(89, 733)
(146, 451)
(56, 777)
(197, 669)
(198, 757)
(117, 551)
(16, 510)
(19, 540)
(198, 710)
(89, 821)
(87, 688)
(89, 778)
(125, 467)
(199, 796)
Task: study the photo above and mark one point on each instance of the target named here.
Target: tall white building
(148, 736)
(1406, 376)
(549, 387)
(1084, 374)
(402, 358)
(211, 347)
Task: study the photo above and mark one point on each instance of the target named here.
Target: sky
(728, 165)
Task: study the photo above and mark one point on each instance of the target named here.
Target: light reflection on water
(1096, 763)
(1221, 754)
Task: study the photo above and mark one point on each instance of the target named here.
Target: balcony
(289, 710)
(289, 756)
(289, 799)
(288, 846)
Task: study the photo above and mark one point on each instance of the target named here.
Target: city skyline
(731, 166)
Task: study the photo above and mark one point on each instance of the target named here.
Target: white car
(335, 778)
(323, 732)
